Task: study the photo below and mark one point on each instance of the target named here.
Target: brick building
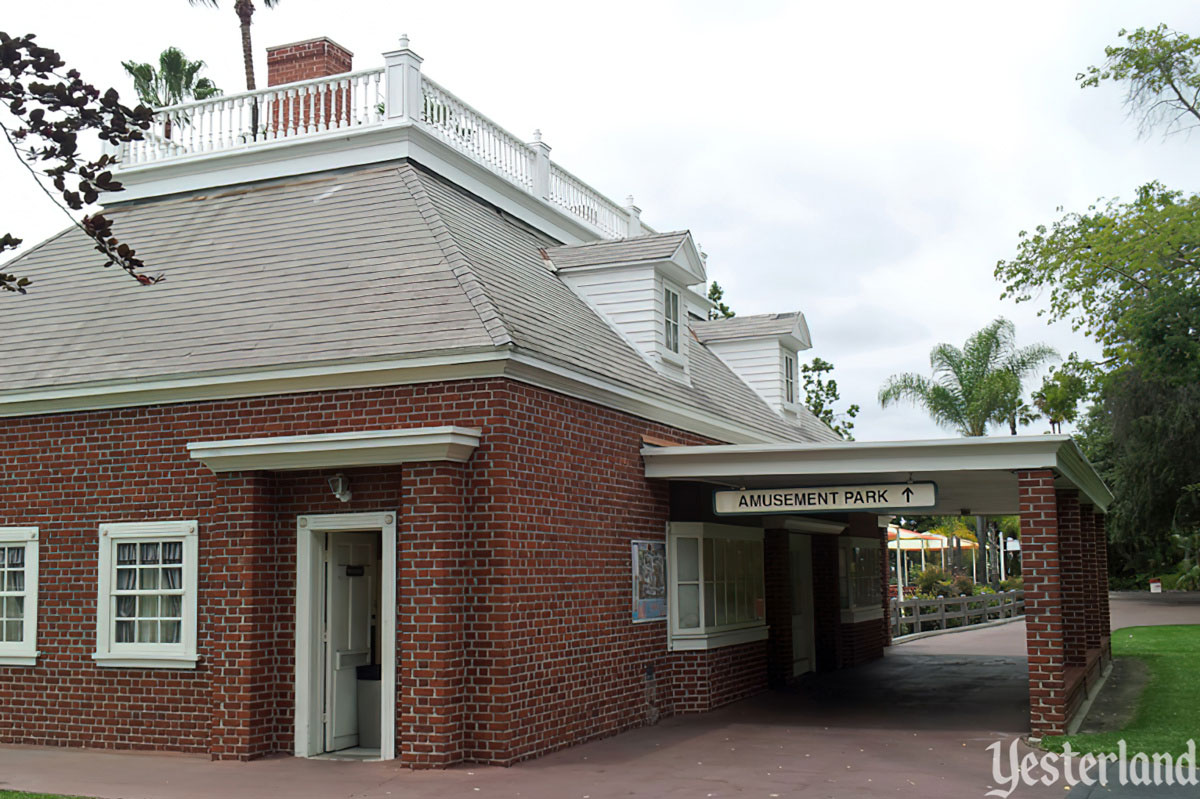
(413, 455)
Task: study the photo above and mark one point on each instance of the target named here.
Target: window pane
(172, 578)
(172, 607)
(149, 579)
(689, 606)
(126, 579)
(3, 550)
(169, 632)
(125, 632)
(126, 554)
(16, 557)
(147, 607)
(688, 553)
(147, 632)
(172, 552)
(150, 553)
(722, 605)
(16, 581)
(14, 607)
(126, 605)
(710, 604)
(708, 559)
(13, 632)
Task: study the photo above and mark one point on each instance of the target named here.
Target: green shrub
(964, 586)
(1013, 584)
(931, 582)
(1189, 581)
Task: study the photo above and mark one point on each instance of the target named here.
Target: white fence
(913, 616)
(396, 93)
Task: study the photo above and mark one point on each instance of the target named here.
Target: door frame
(310, 533)
(807, 601)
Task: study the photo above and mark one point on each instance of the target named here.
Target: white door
(349, 581)
(800, 554)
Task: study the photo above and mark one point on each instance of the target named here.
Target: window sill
(856, 615)
(671, 357)
(145, 661)
(19, 660)
(682, 643)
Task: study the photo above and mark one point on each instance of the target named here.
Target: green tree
(175, 80)
(1160, 70)
(821, 394)
(1059, 397)
(1126, 272)
(245, 12)
(974, 387)
(716, 295)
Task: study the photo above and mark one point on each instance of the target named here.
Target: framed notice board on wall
(649, 580)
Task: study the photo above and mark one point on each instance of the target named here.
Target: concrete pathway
(875, 731)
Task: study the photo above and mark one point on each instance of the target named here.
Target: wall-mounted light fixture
(339, 484)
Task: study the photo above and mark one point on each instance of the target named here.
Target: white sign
(811, 499)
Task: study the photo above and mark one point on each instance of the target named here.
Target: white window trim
(675, 357)
(140, 656)
(861, 613)
(25, 653)
(683, 640)
(790, 362)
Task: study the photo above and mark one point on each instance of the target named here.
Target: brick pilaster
(1043, 601)
(1076, 577)
(1095, 581)
(777, 564)
(238, 579)
(430, 595)
(1105, 619)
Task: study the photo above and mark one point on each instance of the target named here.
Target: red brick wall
(537, 556)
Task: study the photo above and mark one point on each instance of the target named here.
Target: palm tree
(974, 387)
(244, 10)
(175, 80)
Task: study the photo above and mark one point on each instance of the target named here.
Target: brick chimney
(314, 58)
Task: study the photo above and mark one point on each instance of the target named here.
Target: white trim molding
(973, 473)
(338, 450)
(111, 654)
(310, 538)
(23, 653)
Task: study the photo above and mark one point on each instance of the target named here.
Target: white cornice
(200, 387)
(935, 459)
(337, 450)
(339, 149)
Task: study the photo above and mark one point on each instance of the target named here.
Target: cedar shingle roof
(383, 261)
(739, 327)
(655, 247)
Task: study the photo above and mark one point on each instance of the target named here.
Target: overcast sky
(866, 163)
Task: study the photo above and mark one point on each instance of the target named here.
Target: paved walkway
(875, 731)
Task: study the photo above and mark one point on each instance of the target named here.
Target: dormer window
(646, 287)
(789, 378)
(671, 319)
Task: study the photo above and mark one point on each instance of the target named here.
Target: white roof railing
(398, 92)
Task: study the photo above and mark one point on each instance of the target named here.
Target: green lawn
(1168, 713)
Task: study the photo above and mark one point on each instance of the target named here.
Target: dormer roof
(789, 328)
(676, 249)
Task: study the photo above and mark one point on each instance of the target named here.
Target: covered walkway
(1044, 479)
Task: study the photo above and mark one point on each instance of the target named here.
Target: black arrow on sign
(907, 492)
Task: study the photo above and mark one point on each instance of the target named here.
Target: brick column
(1073, 554)
(777, 564)
(1043, 602)
(1105, 620)
(432, 573)
(1095, 581)
(238, 616)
